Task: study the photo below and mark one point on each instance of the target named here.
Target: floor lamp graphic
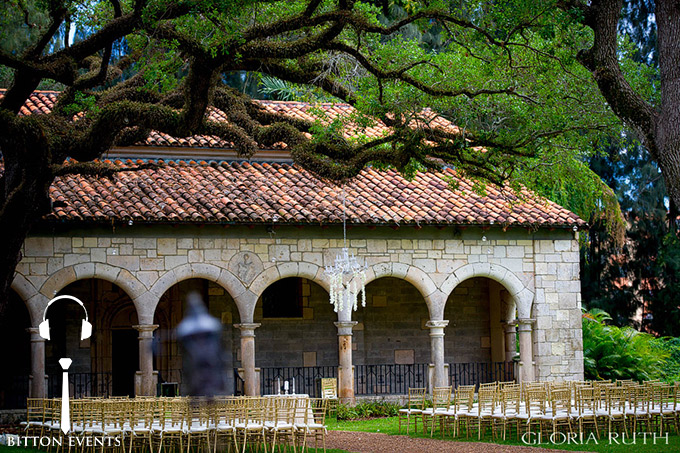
(65, 363)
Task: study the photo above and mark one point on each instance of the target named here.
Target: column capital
(35, 335)
(437, 327)
(432, 324)
(248, 328)
(525, 324)
(345, 327)
(145, 327)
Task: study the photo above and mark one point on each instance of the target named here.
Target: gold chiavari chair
(486, 405)
(558, 413)
(441, 399)
(250, 422)
(413, 409)
(535, 404)
(329, 391)
(614, 408)
(462, 408)
(170, 431)
(316, 422)
(587, 405)
(113, 412)
(197, 424)
(140, 424)
(280, 424)
(510, 405)
(637, 408)
(224, 423)
(462, 404)
(35, 416)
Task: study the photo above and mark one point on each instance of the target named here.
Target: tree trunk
(668, 129)
(24, 187)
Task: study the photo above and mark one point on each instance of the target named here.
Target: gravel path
(362, 442)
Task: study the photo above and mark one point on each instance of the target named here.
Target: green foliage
(361, 411)
(671, 346)
(612, 352)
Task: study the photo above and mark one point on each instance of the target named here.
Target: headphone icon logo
(65, 363)
(44, 327)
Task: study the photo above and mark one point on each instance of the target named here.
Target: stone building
(453, 278)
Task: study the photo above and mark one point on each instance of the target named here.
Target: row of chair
(184, 424)
(566, 407)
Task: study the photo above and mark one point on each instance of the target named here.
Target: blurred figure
(203, 358)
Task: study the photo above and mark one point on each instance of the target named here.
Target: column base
(146, 388)
(430, 376)
(242, 375)
(346, 392)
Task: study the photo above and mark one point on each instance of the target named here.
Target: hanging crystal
(346, 275)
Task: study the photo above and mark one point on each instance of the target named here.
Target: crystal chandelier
(347, 276)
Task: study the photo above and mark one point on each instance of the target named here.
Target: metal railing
(390, 379)
(81, 385)
(307, 379)
(480, 372)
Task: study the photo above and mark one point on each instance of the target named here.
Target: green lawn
(390, 426)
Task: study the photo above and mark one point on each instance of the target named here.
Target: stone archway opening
(170, 312)
(391, 339)
(14, 379)
(296, 338)
(104, 364)
(477, 348)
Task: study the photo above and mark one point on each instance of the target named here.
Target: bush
(671, 346)
(612, 352)
(373, 409)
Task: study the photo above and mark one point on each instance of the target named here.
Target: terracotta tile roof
(43, 101)
(223, 192)
(201, 192)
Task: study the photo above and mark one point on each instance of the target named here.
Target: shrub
(372, 409)
(671, 346)
(612, 352)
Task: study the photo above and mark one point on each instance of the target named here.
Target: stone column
(345, 368)
(510, 340)
(146, 379)
(526, 354)
(37, 381)
(439, 375)
(251, 384)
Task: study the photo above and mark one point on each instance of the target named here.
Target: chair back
(416, 398)
(329, 388)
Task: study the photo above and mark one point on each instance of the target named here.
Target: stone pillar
(345, 368)
(526, 354)
(510, 340)
(37, 380)
(251, 384)
(439, 375)
(146, 379)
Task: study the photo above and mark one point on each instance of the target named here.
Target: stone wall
(391, 327)
(292, 342)
(468, 336)
(539, 270)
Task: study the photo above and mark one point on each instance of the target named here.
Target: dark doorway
(124, 361)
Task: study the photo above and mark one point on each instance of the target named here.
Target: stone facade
(533, 274)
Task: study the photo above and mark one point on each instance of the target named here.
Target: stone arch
(209, 272)
(277, 272)
(30, 297)
(120, 277)
(414, 275)
(520, 294)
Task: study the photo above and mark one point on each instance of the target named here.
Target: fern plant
(612, 352)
